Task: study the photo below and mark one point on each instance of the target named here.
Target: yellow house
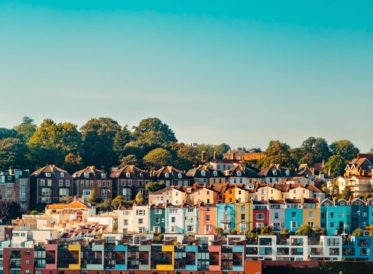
(169, 252)
(265, 193)
(204, 195)
(236, 194)
(244, 221)
(75, 249)
(311, 212)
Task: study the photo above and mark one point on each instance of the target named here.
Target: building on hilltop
(15, 186)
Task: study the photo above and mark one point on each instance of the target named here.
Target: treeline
(105, 143)
(101, 142)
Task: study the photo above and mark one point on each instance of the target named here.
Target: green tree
(117, 201)
(186, 156)
(158, 157)
(154, 186)
(304, 230)
(335, 166)
(314, 150)
(98, 142)
(26, 129)
(129, 160)
(139, 198)
(121, 139)
(51, 142)
(267, 230)
(357, 232)
(221, 149)
(277, 153)
(92, 197)
(154, 133)
(73, 162)
(7, 133)
(345, 149)
(9, 210)
(12, 153)
(285, 232)
(346, 193)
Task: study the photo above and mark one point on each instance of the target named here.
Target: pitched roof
(240, 171)
(53, 170)
(92, 172)
(131, 170)
(72, 205)
(171, 171)
(204, 171)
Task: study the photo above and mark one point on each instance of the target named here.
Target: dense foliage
(105, 143)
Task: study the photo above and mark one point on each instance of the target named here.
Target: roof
(172, 173)
(240, 171)
(92, 171)
(72, 205)
(204, 171)
(53, 170)
(169, 188)
(130, 172)
(276, 171)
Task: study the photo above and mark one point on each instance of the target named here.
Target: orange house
(207, 219)
(236, 194)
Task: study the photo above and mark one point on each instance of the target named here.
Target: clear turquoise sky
(241, 72)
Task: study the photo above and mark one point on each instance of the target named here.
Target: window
(48, 175)
(62, 175)
(86, 175)
(173, 219)
(293, 224)
(166, 175)
(203, 173)
(310, 224)
(293, 214)
(260, 216)
(215, 173)
(157, 220)
(207, 218)
(141, 220)
(179, 175)
(140, 212)
(331, 224)
(331, 214)
(128, 175)
(277, 215)
(310, 214)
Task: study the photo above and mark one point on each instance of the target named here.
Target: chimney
(204, 157)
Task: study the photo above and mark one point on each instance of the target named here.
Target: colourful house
(226, 216)
(359, 214)
(243, 215)
(236, 194)
(157, 219)
(276, 215)
(336, 217)
(260, 214)
(311, 212)
(293, 214)
(207, 219)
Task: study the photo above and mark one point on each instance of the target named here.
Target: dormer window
(239, 173)
(287, 172)
(166, 175)
(141, 175)
(274, 172)
(48, 175)
(215, 173)
(179, 175)
(203, 172)
(103, 175)
(128, 175)
(62, 175)
(86, 175)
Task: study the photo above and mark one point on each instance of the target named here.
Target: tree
(346, 193)
(73, 162)
(154, 133)
(92, 197)
(129, 160)
(335, 166)
(117, 201)
(314, 150)
(139, 198)
(267, 230)
(304, 230)
(7, 133)
(158, 157)
(26, 129)
(285, 232)
(98, 139)
(154, 186)
(277, 153)
(9, 210)
(186, 156)
(345, 149)
(12, 153)
(121, 139)
(221, 149)
(357, 232)
(51, 142)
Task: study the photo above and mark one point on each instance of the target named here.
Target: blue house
(225, 216)
(293, 214)
(358, 248)
(360, 212)
(336, 217)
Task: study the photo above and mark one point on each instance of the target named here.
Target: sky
(239, 72)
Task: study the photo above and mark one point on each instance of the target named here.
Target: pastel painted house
(191, 219)
(311, 212)
(157, 219)
(226, 217)
(293, 214)
(243, 216)
(276, 215)
(207, 219)
(204, 195)
(260, 214)
(336, 217)
(174, 220)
